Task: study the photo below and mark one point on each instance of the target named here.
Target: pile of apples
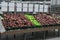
(20, 20)
(45, 19)
(15, 20)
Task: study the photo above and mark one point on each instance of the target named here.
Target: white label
(11, 7)
(24, 9)
(36, 7)
(30, 7)
(46, 8)
(11, 4)
(4, 9)
(41, 8)
(4, 4)
(19, 5)
(25, 5)
(19, 9)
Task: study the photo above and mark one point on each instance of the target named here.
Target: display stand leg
(32, 33)
(58, 32)
(54, 33)
(14, 36)
(44, 35)
(25, 36)
(7, 37)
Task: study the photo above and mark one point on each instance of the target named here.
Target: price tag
(46, 8)
(19, 9)
(4, 3)
(19, 4)
(11, 6)
(36, 7)
(24, 9)
(30, 7)
(4, 6)
(41, 8)
(4, 9)
(25, 5)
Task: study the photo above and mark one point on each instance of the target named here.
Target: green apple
(32, 19)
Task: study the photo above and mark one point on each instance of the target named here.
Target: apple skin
(20, 20)
(45, 19)
(16, 20)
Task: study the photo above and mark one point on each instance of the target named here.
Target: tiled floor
(58, 38)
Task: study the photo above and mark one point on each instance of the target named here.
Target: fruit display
(28, 20)
(45, 19)
(15, 20)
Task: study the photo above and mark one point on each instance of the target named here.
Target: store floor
(57, 38)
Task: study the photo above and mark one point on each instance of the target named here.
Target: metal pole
(58, 33)
(24, 36)
(56, 2)
(54, 32)
(50, 6)
(44, 5)
(15, 7)
(7, 37)
(8, 7)
(44, 35)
